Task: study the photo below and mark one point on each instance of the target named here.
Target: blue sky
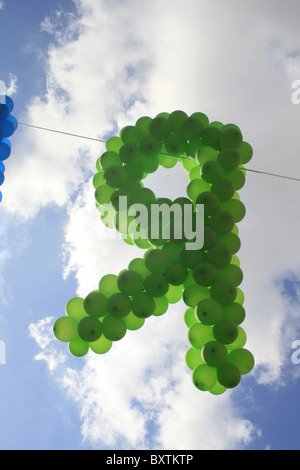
(90, 67)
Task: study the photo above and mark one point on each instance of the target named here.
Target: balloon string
(60, 132)
(174, 156)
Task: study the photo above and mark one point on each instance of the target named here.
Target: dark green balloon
(130, 282)
(115, 176)
(118, 305)
(176, 273)
(156, 285)
(114, 328)
(205, 274)
(223, 292)
(143, 305)
(89, 329)
(228, 375)
(95, 304)
(225, 331)
(160, 128)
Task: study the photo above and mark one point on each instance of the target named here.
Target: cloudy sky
(89, 67)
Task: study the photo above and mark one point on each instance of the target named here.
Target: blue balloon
(5, 149)
(2, 167)
(2, 178)
(8, 125)
(6, 107)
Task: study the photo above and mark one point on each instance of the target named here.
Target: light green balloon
(190, 317)
(204, 377)
(65, 329)
(108, 285)
(193, 358)
(101, 346)
(78, 347)
(199, 335)
(193, 294)
(75, 309)
(133, 322)
(161, 306)
(174, 294)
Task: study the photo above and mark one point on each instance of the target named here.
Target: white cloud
(2, 5)
(143, 58)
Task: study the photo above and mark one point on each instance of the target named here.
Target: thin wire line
(183, 158)
(60, 132)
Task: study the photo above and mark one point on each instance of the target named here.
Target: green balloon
(218, 389)
(103, 194)
(89, 329)
(222, 222)
(234, 207)
(231, 137)
(174, 294)
(149, 164)
(206, 154)
(199, 335)
(240, 341)
(176, 273)
(223, 188)
(109, 159)
(228, 375)
(133, 322)
(192, 128)
(95, 304)
(65, 329)
(115, 176)
(75, 309)
(160, 128)
(129, 153)
(205, 274)
(190, 258)
(224, 292)
(193, 294)
(98, 179)
(114, 328)
(189, 317)
(156, 261)
(225, 331)
(211, 137)
(101, 345)
(229, 158)
(196, 187)
(173, 251)
(143, 124)
(138, 265)
(161, 306)
(150, 146)
(236, 177)
(242, 359)
(130, 282)
(246, 152)
(208, 312)
(233, 273)
(210, 238)
(133, 171)
(214, 353)
(219, 256)
(118, 305)
(192, 148)
(202, 117)
(143, 305)
(78, 347)
(167, 161)
(108, 285)
(131, 135)
(156, 285)
(114, 144)
(210, 201)
(204, 377)
(212, 171)
(176, 119)
(231, 241)
(175, 145)
(193, 358)
(234, 312)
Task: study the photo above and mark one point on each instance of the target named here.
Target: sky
(90, 67)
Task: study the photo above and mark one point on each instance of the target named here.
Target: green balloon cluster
(207, 279)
